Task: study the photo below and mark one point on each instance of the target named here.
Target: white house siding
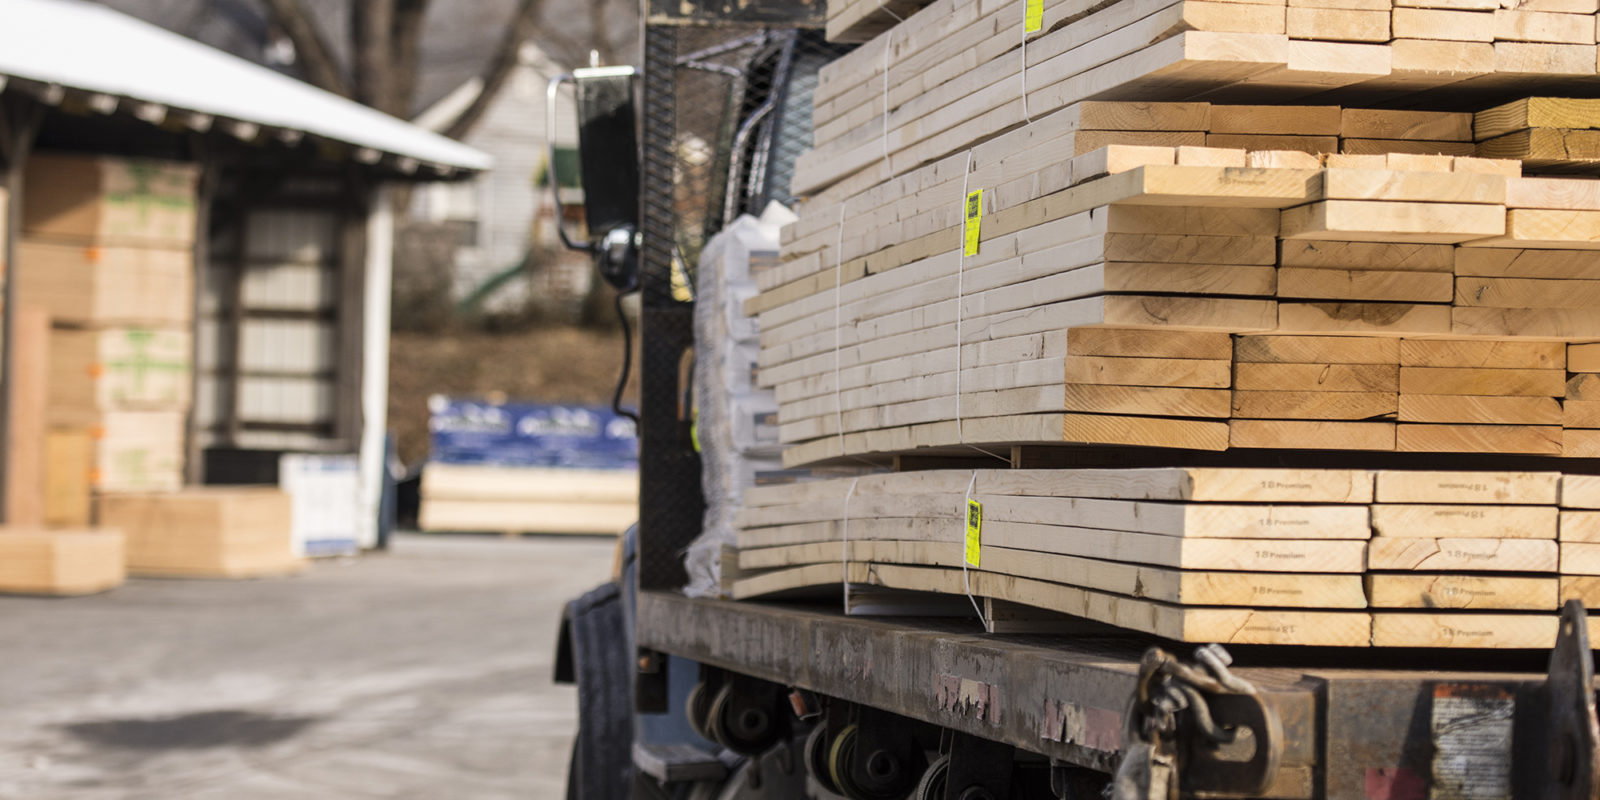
(510, 213)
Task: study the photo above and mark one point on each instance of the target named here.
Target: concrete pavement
(422, 673)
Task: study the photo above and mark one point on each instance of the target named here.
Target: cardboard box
(210, 531)
(119, 369)
(67, 562)
(98, 285)
(104, 200)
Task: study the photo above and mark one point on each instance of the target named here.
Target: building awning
(56, 47)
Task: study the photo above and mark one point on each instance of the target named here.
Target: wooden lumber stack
(1463, 559)
(108, 251)
(1454, 553)
(860, 20)
(209, 532)
(1579, 539)
(1548, 134)
(34, 561)
(1270, 556)
(519, 499)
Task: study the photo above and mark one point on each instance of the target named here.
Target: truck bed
(1354, 723)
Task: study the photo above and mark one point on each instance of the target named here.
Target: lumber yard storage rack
(1025, 714)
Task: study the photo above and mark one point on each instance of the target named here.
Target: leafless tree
(384, 52)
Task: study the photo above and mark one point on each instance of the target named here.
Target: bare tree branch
(311, 49)
(519, 29)
(371, 26)
(406, 53)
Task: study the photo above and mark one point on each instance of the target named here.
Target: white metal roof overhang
(111, 61)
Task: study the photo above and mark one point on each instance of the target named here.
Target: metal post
(379, 264)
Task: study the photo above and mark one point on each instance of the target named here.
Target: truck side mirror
(609, 161)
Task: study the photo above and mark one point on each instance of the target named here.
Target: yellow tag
(974, 531)
(973, 216)
(1033, 18)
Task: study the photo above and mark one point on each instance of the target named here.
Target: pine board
(1464, 521)
(1465, 555)
(1463, 592)
(1488, 488)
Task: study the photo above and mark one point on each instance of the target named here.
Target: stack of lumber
(860, 20)
(108, 251)
(1458, 549)
(955, 71)
(1580, 410)
(1548, 134)
(522, 499)
(1270, 556)
(35, 559)
(204, 532)
(1579, 539)
(1244, 556)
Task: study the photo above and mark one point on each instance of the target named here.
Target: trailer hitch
(1558, 738)
(1196, 726)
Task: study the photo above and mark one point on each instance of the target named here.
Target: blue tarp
(530, 435)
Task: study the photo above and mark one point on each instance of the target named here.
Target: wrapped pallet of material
(736, 441)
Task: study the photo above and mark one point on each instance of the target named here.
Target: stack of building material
(1548, 134)
(204, 532)
(1579, 539)
(33, 559)
(860, 20)
(1455, 550)
(1240, 556)
(108, 252)
(526, 468)
(1302, 556)
(1580, 408)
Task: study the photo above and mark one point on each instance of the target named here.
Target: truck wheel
(886, 773)
(745, 722)
(697, 707)
(932, 785)
(816, 754)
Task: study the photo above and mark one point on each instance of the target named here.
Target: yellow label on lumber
(973, 219)
(1032, 22)
(974, 537)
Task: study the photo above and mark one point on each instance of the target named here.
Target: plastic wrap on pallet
(736, 421)
(530, 435)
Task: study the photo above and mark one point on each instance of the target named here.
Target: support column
(375, 359)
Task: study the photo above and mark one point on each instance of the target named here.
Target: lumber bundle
(1195, 555)
(60, 562)
(1308, 556)
(955, 71)
(209, 532)
(1149, 234)
(108, 252)
(522, 499)
(860, 20)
